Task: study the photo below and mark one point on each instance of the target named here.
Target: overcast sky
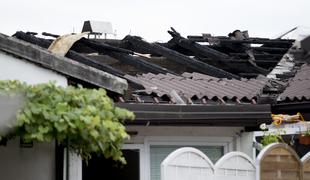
(152, 19)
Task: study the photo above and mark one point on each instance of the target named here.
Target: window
(100, 168)
(159, 152)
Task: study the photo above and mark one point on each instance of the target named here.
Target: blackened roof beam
(204, 51)
(124, 57)
(120, 54)
(222, 39)
(94, 44)
(197, 49)
(179, 58)
(71, 54)
(74, 56)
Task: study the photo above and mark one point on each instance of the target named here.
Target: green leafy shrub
(270, 137)
(85, 120)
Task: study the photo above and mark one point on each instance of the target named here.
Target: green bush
(85, 120)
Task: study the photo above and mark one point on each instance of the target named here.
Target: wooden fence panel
(275, 162)
(306, 166)
(278, 162)
(235, 166)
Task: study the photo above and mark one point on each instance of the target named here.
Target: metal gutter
(204, 115)
(291, 107)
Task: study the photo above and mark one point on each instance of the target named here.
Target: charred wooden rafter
(124, 57)
(270, 46)
(259, 56)
(227, 49)
(223, 39)
(195, 64)
(94, 44)
(271, 50)
(203, 51)
(236, 53)
(197, 49)
(120, 54)
(239, 65)
(116, 53)
(71, 54)
(75, 56)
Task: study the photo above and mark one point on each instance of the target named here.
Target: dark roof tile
(299, 86)
(190, 85)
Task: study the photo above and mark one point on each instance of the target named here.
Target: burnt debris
(230, 61)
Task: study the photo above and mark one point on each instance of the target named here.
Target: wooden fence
(275, 162)
(278, 161)
(306, 166)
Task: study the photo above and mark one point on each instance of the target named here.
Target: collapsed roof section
(195, 69)
(218, 56)
(203, 70)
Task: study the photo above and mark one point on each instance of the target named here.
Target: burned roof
(205, 70)
(196, 67)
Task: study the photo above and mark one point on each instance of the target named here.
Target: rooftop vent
(98, 28)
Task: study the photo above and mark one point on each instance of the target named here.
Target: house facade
(39, 160)
(213, 102)
(33, 65)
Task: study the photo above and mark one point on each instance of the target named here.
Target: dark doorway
(99, 168)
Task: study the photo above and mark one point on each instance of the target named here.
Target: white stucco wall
(194, 131)
(16, 69)
(38, 162)
(246, 143)
(231, 138)
(237, 140)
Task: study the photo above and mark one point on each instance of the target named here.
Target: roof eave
(191, 115)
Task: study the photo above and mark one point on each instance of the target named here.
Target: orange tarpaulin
(284, 118)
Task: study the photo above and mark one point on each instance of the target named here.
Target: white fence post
(75, 166)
